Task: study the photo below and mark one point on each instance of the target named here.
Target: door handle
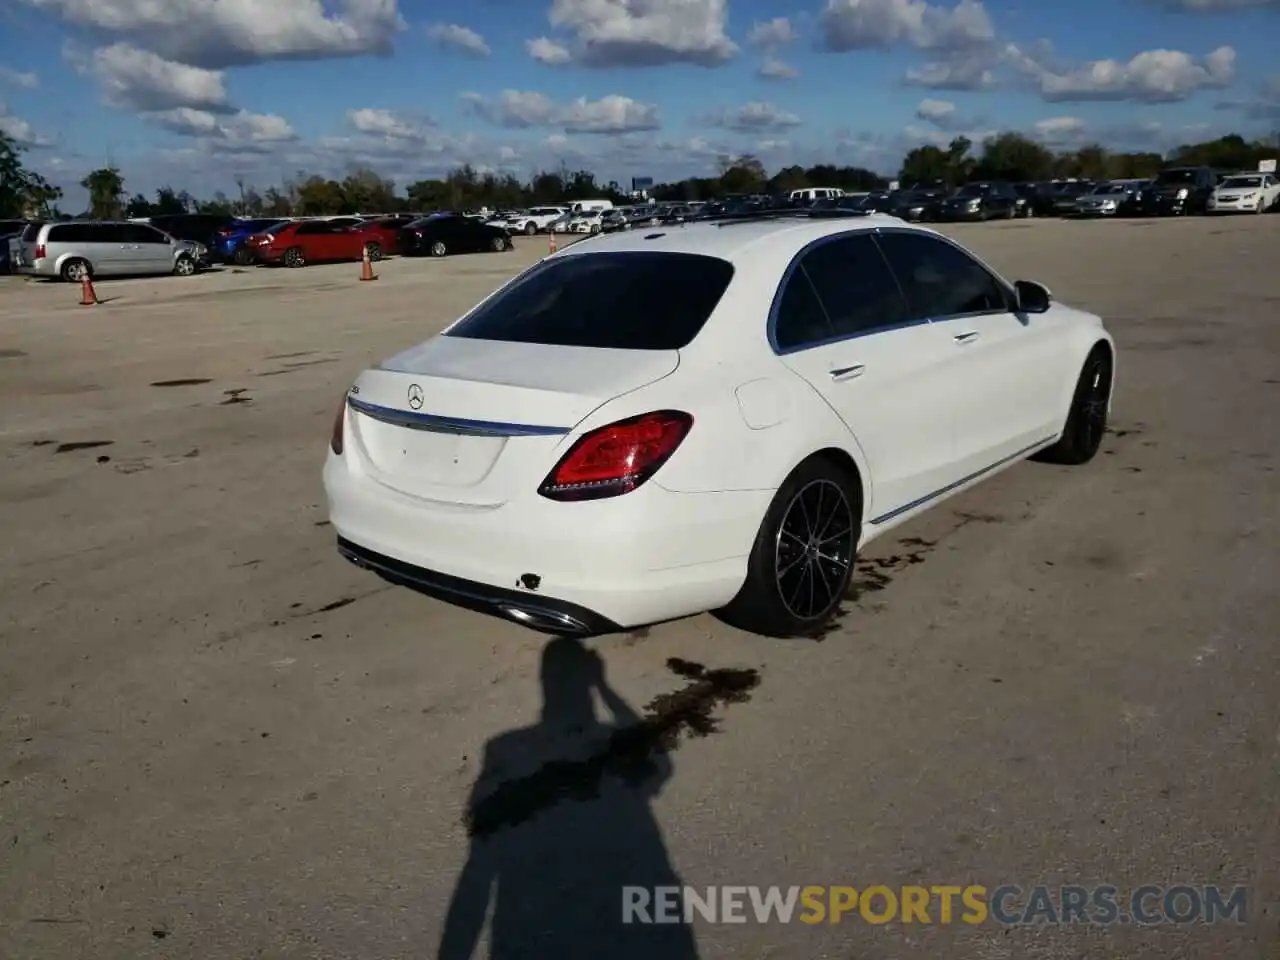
(848, 373)
(970, 337)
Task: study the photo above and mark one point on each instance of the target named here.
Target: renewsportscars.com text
(972, 904)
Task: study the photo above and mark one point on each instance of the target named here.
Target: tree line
(1006, 156)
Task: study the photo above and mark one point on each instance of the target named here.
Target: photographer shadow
(554, 842)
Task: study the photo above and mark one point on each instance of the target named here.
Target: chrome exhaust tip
(546, 621)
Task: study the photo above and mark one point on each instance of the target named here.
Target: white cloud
(772, 33)
(223, 33)
(612, 33)
(769, 36)
(938, 112)
(866, 24)
(965, 70)
(460, 38)
(141, 80)
(1263, 106)
(384, 123)
(21, 130)
(771, 68)
(612, 114)
(250, 132)
(755, 117)
(1153, 76)
(27, 81)
(1059, 131)
(549, 52)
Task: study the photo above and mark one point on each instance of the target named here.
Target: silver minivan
(74, 249)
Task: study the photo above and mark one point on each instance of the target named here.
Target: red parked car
(388, 230)
(295, 243)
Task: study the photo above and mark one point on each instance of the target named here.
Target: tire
(1087, 419)
(438, 249)
(294, 257)
(375, 251)
(775, 599)
(75, 270)
(184, 266)
(595, 228)
(530, 229)
(498, 244)
(242, 257)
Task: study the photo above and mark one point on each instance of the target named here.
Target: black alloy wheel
(1087, 419)
(802, 560)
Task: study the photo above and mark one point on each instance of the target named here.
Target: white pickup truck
(534, 220)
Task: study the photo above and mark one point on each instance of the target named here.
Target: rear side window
(615, 301)
(855, 286)
(801, 319)
(75, 233)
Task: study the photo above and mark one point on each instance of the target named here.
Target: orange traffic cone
(366, 267)
(551, 241)
(88, 296)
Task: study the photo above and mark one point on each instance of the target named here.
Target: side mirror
(1032, 297)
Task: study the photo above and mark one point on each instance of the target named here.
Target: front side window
(939, 279)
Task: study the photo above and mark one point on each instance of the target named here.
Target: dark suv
(196, 227)
(981, 201)
(1178, 191)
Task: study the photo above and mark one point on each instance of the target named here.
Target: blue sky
(194, 93)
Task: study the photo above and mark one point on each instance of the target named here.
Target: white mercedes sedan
(713, 416)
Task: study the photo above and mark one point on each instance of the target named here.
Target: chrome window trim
(873, 232)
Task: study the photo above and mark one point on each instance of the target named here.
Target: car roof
(732, 239)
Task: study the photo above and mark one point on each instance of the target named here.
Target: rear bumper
(587, 567)
(545, 614)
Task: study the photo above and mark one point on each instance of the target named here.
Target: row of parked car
(75, 249)
(1176, 191)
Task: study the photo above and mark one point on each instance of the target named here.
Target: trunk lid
(477, 422)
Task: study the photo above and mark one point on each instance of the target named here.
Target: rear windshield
(613, 301)
(31, 231)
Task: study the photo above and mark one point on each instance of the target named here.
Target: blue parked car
(228, 243)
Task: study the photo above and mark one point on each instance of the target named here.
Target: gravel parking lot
(221, 740)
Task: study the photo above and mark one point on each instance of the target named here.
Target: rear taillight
(617, 458)
(41, 253)
(339, 426)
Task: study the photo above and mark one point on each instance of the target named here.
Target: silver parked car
(74, 249)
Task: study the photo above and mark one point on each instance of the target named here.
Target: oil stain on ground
(82, 445)
(627, 754)
(293, 367)
(185, 382)
(236, 396)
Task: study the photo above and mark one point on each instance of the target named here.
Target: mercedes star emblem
(415, 397)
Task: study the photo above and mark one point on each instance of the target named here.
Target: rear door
(1000, 384)
(107, 246)
(843, 325)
